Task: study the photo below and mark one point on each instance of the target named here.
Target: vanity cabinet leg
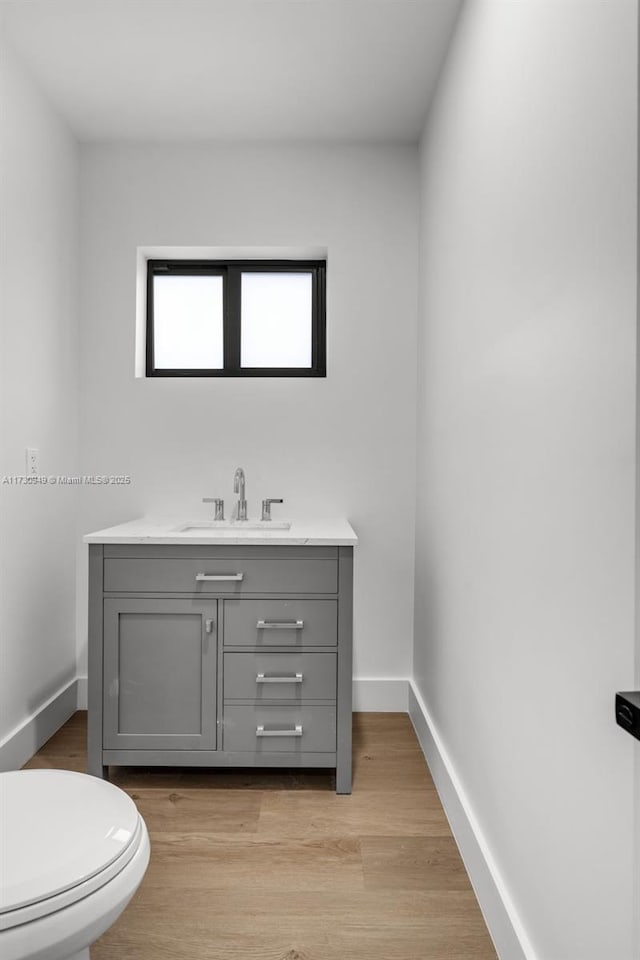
(345, 670)
(95, 766)
(343, 776)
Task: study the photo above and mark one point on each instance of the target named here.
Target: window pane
(275, 325)
(187, 322)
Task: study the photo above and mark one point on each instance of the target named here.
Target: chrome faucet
(218, 506)
(266, 507)
(238, 487)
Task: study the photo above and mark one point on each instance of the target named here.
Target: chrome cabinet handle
(221, 576)
(208, 626)
(292, 678)
(293, 732)
(280, 624)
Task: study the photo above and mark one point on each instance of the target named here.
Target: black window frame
(231, 272)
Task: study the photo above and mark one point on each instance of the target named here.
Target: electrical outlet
(33, 461)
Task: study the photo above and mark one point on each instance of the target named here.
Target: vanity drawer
(234, 576)
(280, 623)
(280, 676)
(280, 729)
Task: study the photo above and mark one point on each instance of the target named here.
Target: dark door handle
(628, 712)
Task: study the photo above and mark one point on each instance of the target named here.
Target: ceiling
(136, 70)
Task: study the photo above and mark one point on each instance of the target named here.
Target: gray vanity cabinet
(159, 682)
(219, 656)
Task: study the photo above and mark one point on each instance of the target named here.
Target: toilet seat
(64, 835)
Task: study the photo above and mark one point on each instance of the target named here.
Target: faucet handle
(266, 507)
(218, 506)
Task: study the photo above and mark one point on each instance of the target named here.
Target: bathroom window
(232, 318)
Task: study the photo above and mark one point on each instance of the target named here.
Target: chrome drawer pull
(280, 624)
(293, 732)
(220, 576)
(293, 678)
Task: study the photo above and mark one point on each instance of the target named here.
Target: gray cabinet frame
(143, 753)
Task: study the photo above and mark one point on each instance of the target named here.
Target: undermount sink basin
(234, 526)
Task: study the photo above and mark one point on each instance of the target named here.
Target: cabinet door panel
(159, 674)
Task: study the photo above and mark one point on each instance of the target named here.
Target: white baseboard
(380, 695)
(509, 936)
(21, 744)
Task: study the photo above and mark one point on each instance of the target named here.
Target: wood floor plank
(401, 925)
(177, 810)
(216, 863)
(383, 731)
(394, 906)
(70, 741)
(388, 771)
(282, 938)
(56, 762)
(412, 863)
(399, 812)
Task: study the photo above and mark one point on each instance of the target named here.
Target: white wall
(344, 445)
(38, 395)
(525, 552)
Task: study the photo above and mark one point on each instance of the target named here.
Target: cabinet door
(159, 674)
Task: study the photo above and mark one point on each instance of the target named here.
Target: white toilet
(73, 850)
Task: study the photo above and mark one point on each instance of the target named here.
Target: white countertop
(318, 533)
